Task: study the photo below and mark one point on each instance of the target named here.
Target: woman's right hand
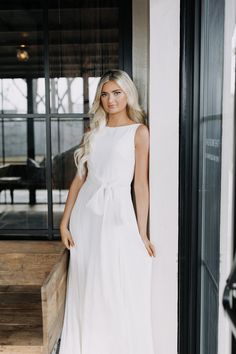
(67, 238)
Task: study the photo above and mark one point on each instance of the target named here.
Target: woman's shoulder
(142, 130)
(142, 134)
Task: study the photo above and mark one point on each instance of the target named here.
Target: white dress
(108, 301)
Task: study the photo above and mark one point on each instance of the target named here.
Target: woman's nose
(110, 98)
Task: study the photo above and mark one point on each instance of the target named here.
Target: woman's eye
(117, 93)
(103, 94)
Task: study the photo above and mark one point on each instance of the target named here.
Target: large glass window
(202, 53)
(52, 55)
(23, 190)
(210, 136)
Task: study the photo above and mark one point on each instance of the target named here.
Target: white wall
(164, 155)
(228, 148)
(163, 107)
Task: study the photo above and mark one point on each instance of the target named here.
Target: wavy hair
(99, 116)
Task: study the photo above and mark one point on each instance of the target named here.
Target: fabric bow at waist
(108, 191)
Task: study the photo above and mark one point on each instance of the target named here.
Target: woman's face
(113, 98)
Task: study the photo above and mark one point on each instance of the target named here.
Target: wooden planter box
(33, 276)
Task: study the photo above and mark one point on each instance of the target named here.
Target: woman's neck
(120, 118)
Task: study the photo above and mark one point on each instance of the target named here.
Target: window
(52, 54)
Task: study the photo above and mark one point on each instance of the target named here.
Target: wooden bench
(33, 277)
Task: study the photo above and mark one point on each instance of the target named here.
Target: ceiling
(76, 38)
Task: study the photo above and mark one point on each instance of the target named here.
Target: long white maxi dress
(108, 301)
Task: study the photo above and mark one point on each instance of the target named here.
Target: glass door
(210, 122)
(202, 46)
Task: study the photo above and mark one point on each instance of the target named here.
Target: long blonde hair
(99, 116)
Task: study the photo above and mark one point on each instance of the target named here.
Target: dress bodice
(112, 156)
(110, 170)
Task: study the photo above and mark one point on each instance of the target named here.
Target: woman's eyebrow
(112, 91)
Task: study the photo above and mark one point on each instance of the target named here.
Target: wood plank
(56, 304)
(11, 288)
(14, 349)
(25, 269)
(20, 300)
(53, 302)
(21, 335)
(21, 316)
(31, 247)
(33, 278)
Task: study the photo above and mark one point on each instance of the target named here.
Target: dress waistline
(108, 191)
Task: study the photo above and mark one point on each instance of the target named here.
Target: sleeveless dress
(108, 300)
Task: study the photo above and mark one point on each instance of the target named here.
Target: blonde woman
(109, 276)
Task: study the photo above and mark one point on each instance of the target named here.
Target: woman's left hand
(149, 246)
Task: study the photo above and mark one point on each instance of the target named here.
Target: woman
(108, 297)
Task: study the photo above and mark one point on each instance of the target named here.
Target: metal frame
(233, 338)
(188, 275)
(125, 63)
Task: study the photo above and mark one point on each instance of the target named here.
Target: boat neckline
(122, 126)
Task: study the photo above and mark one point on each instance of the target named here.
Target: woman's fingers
(67, 239)
(71, 241)
(67, 244)
(151, 248)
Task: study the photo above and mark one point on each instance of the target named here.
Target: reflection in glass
(67, 95)
(13, 93)
(210, 138)
(22, 51)
(93, 82)
(23, 191)
(38, 95)
(84, 42)
(22, 96)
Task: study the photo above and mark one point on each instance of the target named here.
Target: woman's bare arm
(70, 201)
(141, 187)
(71, 198)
